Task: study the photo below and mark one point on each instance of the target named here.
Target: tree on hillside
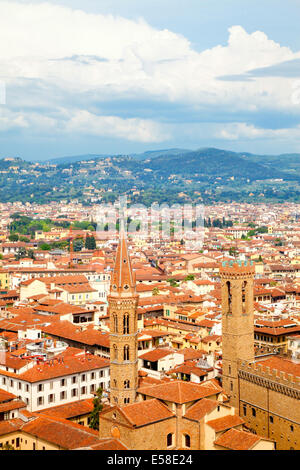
(14, 237)
(30, 254)
(21, 253)
(45, 246)
(78, 244)
(24, 239)
(90, 243)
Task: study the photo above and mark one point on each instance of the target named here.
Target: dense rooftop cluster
(55, 323)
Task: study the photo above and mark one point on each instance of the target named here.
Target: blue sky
(125, 76)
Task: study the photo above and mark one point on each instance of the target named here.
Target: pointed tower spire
(123, 302)
(123, 279)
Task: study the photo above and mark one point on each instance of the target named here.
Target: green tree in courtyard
(98, 406)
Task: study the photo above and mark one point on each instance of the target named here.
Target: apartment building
(70, 376)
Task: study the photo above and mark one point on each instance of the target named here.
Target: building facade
(123, 302)
(264, 389)
(237, 324)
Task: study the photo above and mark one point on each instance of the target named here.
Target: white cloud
(38, 41)
(112, 57)
(241, 131)
(139, 130)
(10, 121)
(81, 121)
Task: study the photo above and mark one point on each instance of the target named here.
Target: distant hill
(206, 175)
(210, 161)
(136, 156)
(287, 162)
(74, 158)
(216, 163)
(157, 153)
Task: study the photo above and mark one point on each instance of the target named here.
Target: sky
(125, 76)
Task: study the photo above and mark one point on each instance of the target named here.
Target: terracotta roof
(63, 433)
(237, 440)
(150, 287)
(11, 425)
(206, 323)
(107, 444)
(90, 336)
(154, 333)
(190, 369)
(226, 422)
(61, 280)
(207, 339)
(277, 331)
(201, 408)
(12, 405)
(5, 396)
(275, 323)
(61, 308)
(146, 380)
(70, 410)
(57, 367)
(281, 364)
(146, 412)
(8, 360)
(156, 354)
(78, 288)
(190, 353)
(180, 392)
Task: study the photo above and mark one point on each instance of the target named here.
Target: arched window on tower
(244, 286)
(126, 324)
(126, 352)
(126, 383)
(115, 354)
(187, 440)
(169, 440)
(115, 324)
(229, 297)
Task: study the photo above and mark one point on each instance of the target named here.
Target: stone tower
(237, 323)
(122, 301)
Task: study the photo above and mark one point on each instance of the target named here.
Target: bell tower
(122, 301)
(237, 323)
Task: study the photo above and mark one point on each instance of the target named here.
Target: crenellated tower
(122, 302)
(237, 323)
